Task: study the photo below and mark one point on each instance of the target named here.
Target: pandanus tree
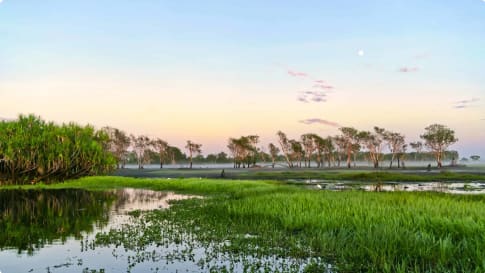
(33, 150)
(437, 138)
(194, 149)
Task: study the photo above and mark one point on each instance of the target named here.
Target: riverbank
(351, 231)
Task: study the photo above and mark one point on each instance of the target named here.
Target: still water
(73, 231)
(51, 230)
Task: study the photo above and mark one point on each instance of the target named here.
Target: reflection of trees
(129, 196)
(30, 219)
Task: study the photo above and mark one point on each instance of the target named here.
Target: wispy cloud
(406, 69)
(323, 86)
(303, 99)
(319, 121)
(315, 96)
(462, 104)
(297, 73)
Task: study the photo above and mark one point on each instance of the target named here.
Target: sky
(210, 70)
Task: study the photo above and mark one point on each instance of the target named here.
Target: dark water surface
(73, 230)
(52, 230)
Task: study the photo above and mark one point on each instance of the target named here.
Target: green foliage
(354, 231)
(33, 150)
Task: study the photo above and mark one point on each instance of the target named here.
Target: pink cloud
(297, 74)
(319, 121)
(315, 96)
(320, 81)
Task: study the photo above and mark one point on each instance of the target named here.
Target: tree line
(33, 150)
(347, 147)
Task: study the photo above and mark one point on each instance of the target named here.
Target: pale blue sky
(96, 60)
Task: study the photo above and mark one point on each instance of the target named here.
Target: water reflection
(445, 187)
(31, 219)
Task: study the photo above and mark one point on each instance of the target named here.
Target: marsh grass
(355, 231)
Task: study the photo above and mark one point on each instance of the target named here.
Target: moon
(361, 52)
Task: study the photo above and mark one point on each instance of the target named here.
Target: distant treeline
(33, 150)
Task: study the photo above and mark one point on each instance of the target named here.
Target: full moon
(361, 52)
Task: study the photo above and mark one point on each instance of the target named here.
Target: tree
(32, 150)
(119, 142)
(194, 149)
(340, 145)
(418, 147)
(296, 151)
(141, 147)
(161, 147)
(396, 144)
(273, 152)
(285, 147)
(437, 138)
(351, 141)
(243, 150)
(307, 140)
(222, 157)
(373, 142)
(475, 157)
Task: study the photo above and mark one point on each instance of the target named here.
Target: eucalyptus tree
(437, 138)
(418, 147)
(340, 146)
(285, 147)
(319, 144)
(297, 152)
(307, 140)
(240, 149)
(194, 149)
(396, 144)
(119, 142)
(373, 142)
(253, 150)
(273, 152)
(161, 148)
(351, 139)
(141, 148)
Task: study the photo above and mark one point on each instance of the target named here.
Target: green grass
(355, 231)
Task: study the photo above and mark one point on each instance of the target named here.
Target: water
(83, 231)
(445, 187)
(51, 230)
